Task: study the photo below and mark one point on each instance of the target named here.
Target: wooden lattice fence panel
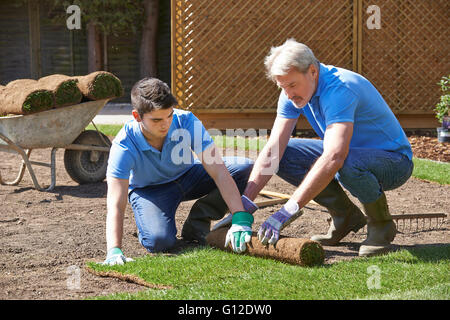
(408, 55)
(218, 47)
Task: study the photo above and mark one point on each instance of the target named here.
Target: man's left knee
(349, 171)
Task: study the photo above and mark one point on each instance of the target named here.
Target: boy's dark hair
(151, 94)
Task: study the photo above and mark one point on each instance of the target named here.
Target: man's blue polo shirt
(131, 157)
(345, 96)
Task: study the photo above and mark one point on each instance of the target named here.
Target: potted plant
(443, 110)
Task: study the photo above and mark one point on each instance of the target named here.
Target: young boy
(151, 164)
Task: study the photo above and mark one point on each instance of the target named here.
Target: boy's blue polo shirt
(345, 96)
(131, 157)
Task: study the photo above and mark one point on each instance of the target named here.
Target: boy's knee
(158, 243)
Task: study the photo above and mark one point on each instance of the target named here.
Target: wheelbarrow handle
(27, 163)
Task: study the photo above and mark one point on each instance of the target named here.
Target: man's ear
(136, 115)
(313, 69)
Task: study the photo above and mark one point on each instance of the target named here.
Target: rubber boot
(198, 223)
(381, 230)
(345, 215)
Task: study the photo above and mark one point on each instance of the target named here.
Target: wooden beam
(234, 120)
(360, 35)
(418, 121)
(280, 196)
(173, 62)
(355, 35)
(258, 120)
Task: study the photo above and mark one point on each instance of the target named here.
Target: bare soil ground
(46, 237)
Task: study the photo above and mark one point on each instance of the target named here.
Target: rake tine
(420, 218)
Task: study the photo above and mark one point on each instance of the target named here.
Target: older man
(362, 147)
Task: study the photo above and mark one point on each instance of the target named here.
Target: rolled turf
(100, 85)
(65, 89)
(25, 96)
(298, 251)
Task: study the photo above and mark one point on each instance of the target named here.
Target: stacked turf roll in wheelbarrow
(53, 112)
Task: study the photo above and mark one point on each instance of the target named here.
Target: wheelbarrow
(86, 151)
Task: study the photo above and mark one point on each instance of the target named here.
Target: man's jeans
(366, 172)
(154, 207)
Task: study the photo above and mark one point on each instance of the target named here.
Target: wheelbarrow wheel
(87, 166)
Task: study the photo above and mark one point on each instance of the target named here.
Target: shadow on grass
(434, 252)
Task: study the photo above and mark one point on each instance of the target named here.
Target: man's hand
(249, 206)
(269, 232)
(115, 256)
(240, 232)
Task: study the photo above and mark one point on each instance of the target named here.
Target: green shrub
(443, 107)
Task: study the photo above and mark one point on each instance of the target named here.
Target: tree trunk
(95, 53)
(148, 65)
(35, 40)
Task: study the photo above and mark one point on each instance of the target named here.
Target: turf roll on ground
(297, 251)
(65, 89)
(25, 96)
(100, 85)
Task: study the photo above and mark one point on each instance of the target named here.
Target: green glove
(115, 256)
(240, 232)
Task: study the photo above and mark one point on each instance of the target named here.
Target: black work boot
(345, 215)
(198, 223)
(381, 230)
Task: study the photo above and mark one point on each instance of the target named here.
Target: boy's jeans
(366, 172)
(154, 207)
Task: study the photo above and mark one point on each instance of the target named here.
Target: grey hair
(289, 54)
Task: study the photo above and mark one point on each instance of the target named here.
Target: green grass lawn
(205, 273)
(110, 130)
(432, 171)
(211, 274)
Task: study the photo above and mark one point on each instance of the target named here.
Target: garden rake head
(405, 223)
(417, 222)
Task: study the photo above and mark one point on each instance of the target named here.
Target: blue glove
(269, 232)
(240, 232)
(249, 206)
(115, 256)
